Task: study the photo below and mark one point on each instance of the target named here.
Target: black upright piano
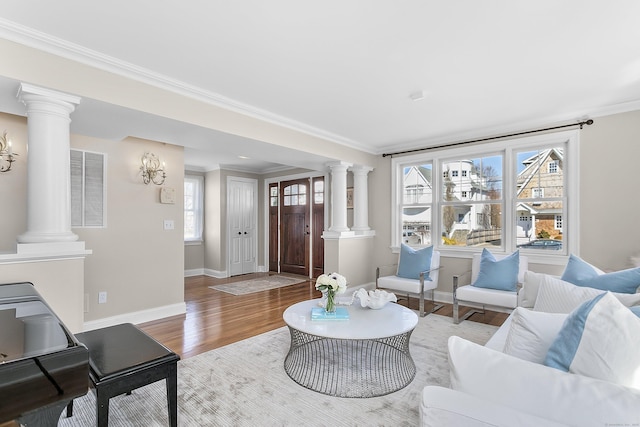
(42, 366)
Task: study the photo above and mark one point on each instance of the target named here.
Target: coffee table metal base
(350, 367)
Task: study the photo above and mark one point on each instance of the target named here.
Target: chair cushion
(412, 262)
(581, 273)
(498, 274)
(487, 296)
(400, 284)
(599, 340)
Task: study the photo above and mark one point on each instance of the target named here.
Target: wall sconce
(6, 153)
(151, 170)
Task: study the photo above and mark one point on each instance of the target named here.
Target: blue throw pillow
(501, 275)
(635, 310)
(581, 273)
(413, 262)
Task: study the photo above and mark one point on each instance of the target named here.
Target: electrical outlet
(102, 297)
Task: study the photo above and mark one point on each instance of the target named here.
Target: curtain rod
(588, 122)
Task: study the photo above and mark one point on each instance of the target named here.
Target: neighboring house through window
(193, 208)
(88, 195)
(506, 194)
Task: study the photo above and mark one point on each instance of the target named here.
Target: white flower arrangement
(334, 282)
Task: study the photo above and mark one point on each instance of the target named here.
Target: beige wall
(13, 184)
(213, 205)
(609, 152)
(138, 264)
(610, 202)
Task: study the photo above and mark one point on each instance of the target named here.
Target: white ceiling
(345, 69)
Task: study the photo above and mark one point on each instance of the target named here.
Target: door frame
(265, 215)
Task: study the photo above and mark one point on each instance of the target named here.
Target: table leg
(172, 394)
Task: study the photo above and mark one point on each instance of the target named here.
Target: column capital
(339, 165)
(360, 169)
(27, 89)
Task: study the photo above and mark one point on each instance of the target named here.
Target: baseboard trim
(215, 273)
(137, 316)
(194, 272)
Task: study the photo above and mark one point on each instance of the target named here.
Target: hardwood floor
(216, 318)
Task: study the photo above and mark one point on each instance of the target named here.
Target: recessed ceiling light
(243, 157)
(417, 96)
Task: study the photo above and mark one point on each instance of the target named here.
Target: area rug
(258, 284)
(244, 384)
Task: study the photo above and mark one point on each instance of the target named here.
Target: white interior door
(242, 213)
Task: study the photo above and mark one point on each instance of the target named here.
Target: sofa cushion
(581, 273)
(600, 340)
(539, 390)
(558, 296)
(530, 287)
(412, 262)
(498, 274)
(441, 406)
(531, 333)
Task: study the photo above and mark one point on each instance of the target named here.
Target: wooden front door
(295, 227)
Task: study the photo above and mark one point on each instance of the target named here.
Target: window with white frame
(193, 208)
(88, 195)
(509, 195)
(416, 205)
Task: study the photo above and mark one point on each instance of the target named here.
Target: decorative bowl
(375, 299)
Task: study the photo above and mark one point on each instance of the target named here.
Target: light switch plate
(169, 224)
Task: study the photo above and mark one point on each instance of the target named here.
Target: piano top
(41, 362)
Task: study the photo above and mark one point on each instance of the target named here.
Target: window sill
(193, 242)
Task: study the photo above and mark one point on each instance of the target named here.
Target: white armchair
(428, 281)
(464, 292)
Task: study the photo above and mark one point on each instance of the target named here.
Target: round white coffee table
(365, 356)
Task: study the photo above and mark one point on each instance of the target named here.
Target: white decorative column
(48, 165)
(360, 199)
(339, 196)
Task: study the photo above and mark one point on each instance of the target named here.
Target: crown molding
(59, 47)
(575, 116)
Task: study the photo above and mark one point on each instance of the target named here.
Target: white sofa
(491, 388)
